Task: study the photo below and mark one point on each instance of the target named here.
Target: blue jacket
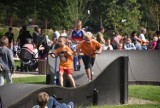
(6, 59)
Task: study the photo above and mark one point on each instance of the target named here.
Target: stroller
(28, 60)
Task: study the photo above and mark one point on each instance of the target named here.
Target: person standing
(35, 35)
(116, 40)
(23, 36)
(87, 48)
(76, 36)
(10, 37)
(142, 37)
(7, 64)
(100, 37)
(158, 41)
(56, 34)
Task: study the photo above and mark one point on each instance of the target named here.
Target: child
(107, 45)
(87, 48)
(7, 63)
(129, 45)
(66, 61)
(46, 101)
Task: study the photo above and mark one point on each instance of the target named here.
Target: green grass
(146, 92)
(31, 80)
(129, 106)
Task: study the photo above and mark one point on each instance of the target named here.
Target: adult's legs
(8, 77)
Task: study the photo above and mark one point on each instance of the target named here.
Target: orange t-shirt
(68, 62)
(88, 49)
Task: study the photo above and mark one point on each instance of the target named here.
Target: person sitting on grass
(46, 101)
(66, 61)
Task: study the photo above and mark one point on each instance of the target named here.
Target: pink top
(153, 45)
(29, 47)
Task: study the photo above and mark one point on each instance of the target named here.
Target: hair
(29, 40)
(143, 30)
(155, 38)
(10, 28)
(42, 99)
(88, 35)
(36, 29)
(157, 33)
(101, 28)
(62, 37)
(24, 27)
(4, 41)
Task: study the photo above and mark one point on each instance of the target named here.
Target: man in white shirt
(142, 37)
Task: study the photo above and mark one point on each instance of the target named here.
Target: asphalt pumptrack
(113, 71)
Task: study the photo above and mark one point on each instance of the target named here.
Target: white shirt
(106, 47)
(129, 46)
(37, 106)
(141, 36)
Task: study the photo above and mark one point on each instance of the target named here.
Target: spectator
(142, 37)
(136, 40)
(129, 45)
(153, 43)
(35, 35)
(120, 46)
(87, 48)
(64, 33)
(7, 64)
(76, 36)
(99, 36)
(66, 61)
(43, 47)
(116, 40)
(158, 41)
(46, 101)
(23, 36)
(56, 34)
(10, 37)
(108, 45)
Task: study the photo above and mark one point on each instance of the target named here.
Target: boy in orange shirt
(66, 61)
(87, 49)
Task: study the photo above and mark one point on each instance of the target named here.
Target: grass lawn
(31, 80)
(140, 92)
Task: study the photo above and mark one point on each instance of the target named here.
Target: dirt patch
(132, 100)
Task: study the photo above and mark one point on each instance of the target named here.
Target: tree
(124, 16)
(150, 10)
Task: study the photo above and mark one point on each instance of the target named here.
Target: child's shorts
(68, 71)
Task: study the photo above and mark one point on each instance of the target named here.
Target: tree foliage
(120, 15)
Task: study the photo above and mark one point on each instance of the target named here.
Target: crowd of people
(72, 47)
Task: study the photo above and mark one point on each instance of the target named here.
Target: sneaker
(92, 73)
(70, 105)
(89, 80)
(78, 67)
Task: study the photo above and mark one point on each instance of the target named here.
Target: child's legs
(52, 102)
(69, 74)
(8, 77)
(61, 71)
(1, 79)
(86, 61)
